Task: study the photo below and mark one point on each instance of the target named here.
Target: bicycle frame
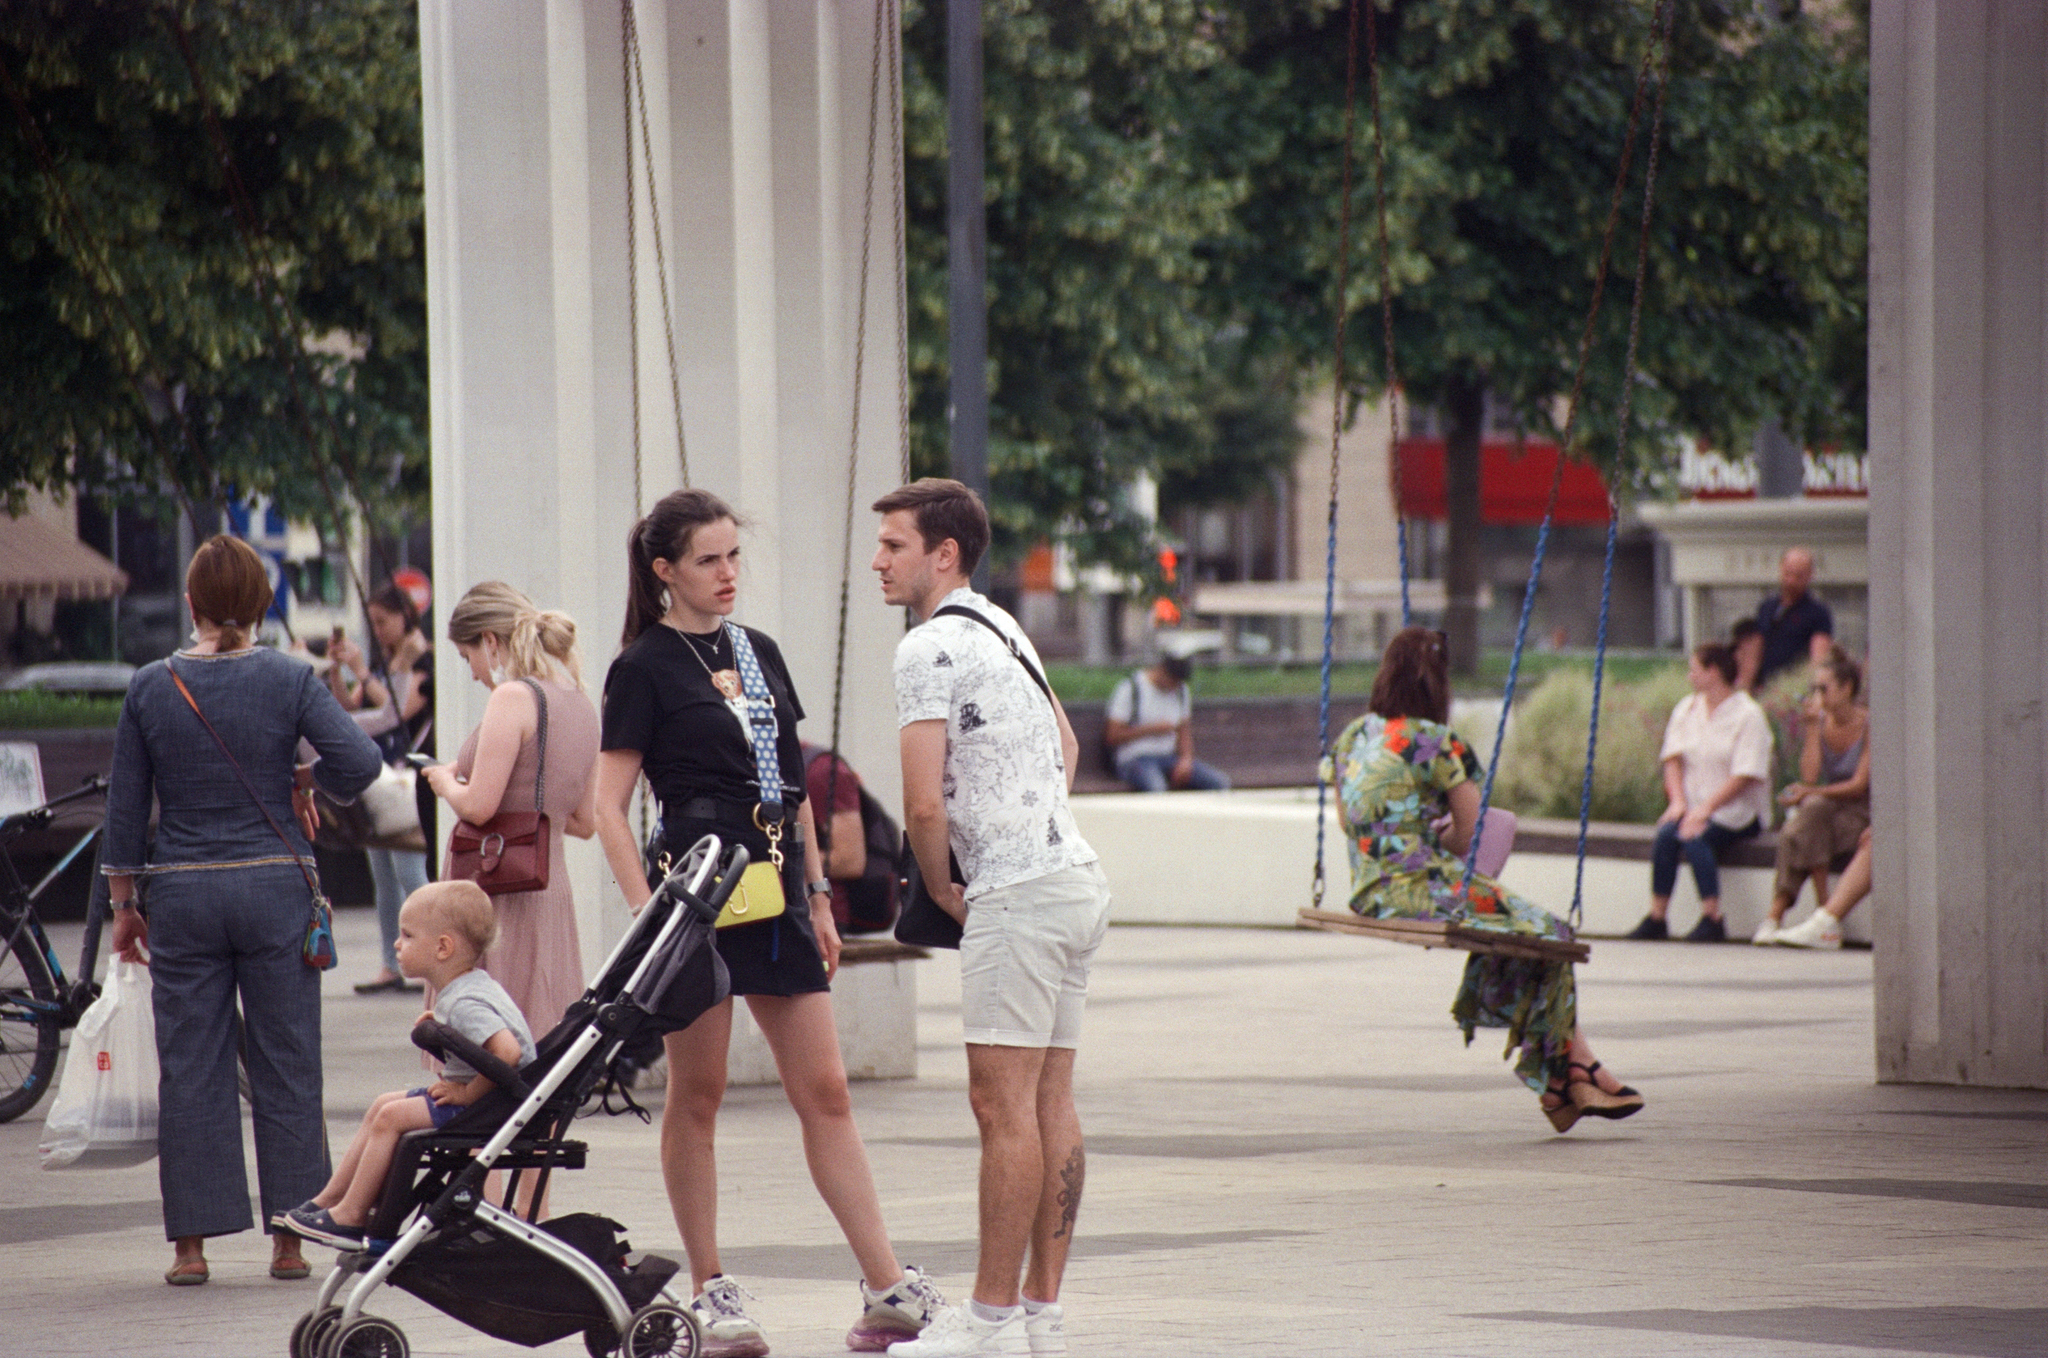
(18, 913)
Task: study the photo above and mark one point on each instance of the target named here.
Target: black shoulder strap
(960, 611)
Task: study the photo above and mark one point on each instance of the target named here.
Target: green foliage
(147, 280)
(1504, 125)
(1543, 764)
(1109, 354)
(34, 710)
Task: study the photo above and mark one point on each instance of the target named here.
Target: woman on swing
(1399, 771)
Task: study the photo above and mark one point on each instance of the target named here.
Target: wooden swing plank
(1438, 933)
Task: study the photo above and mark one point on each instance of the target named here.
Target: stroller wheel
(663, 1331)
(367, 1337)
(309, 1335)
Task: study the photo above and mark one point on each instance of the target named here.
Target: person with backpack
(860, 842)
(1150, 731)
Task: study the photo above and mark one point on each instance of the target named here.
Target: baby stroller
(435, 1234)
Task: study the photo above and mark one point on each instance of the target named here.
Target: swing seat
(1444, 933)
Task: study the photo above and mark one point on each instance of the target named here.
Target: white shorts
(1024, 958)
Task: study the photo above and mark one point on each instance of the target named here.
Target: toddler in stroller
(432, 1231)
(444, 928)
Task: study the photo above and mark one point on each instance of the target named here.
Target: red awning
(1514, 483)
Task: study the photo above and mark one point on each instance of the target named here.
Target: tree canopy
(135, 342)
(1163, 223)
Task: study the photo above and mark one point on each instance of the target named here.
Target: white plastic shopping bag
(105, 1113)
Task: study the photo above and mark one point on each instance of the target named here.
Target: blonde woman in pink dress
(507, 641)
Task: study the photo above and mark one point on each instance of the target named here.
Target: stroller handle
(439, 1040)
(728, 881)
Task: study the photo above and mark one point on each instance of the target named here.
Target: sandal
(186, 1273)
(1567, 1110)
(1589, 1097)
(287, 1262)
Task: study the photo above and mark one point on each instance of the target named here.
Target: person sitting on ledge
(1717, 771)
(1831, 801)
(1150, 725)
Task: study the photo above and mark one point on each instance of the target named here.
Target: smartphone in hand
(419, 760)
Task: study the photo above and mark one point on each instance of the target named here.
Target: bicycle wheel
(29, 1029)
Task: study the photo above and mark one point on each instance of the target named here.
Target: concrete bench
(1246, 857)
(874, 1007)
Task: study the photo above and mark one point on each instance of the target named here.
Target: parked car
(104, 677)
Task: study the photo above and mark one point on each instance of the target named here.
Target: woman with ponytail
(507, 641)
(211, 737)
(673, 705)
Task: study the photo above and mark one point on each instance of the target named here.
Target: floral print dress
(1393, 778)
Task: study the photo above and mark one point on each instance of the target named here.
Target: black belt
(722, 811)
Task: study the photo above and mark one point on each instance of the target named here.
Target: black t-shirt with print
(659, 700)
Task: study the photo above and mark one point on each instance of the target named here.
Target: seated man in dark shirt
(1797, 627)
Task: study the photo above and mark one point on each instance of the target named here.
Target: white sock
(993, 1315)
(1032, 1308)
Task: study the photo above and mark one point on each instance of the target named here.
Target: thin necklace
(726, 681)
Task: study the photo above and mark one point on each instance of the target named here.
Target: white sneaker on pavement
(900, 1313)
(1046, 1328)
(955, 1332)
(729, 1332)
(1766, 933)
(1818, 930)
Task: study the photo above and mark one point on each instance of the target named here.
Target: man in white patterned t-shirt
(988, 758)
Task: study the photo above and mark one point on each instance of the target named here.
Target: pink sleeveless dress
(537, 958)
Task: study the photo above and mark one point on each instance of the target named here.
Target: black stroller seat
(435, 1234)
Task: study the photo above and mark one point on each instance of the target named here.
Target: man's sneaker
(955, 1332)
(1652, 929)
(729, 1332)
(900, 1313)
(1766, 933)
(1046, 1328)
(1818, 930)
(1710, 929)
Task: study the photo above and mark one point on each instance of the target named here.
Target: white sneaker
(1046, 1328)
(956, 1332)
(900, 1313)
(1818, 930)
(729, 1332)
(1766, 933)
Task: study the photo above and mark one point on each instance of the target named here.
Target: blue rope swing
(1659, 44)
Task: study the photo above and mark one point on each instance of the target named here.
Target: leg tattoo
(1071, 1176)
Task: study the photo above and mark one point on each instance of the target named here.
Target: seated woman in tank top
(1830, 804)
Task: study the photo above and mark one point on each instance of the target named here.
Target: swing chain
(1656, 56)
(630, 39)
(1621, 423)
(1317, 885)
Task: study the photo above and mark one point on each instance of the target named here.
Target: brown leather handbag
(508, 853)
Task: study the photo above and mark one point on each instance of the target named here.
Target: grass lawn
(33, 710)
(1084, 683)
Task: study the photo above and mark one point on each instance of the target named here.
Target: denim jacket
(263, 704)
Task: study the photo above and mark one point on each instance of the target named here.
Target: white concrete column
(758, 116)
(1958, 526)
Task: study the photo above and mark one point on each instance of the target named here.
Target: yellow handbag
(759, 896)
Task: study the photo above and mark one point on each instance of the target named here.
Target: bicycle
(37, 1000)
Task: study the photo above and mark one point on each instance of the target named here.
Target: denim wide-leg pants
(223, 939)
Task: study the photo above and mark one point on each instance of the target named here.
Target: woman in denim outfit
(228, 904)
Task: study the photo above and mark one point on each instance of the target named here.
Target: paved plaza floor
(1290, 1152)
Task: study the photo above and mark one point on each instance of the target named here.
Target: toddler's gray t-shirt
(476, 1006)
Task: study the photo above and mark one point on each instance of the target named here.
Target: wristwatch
(813, 888)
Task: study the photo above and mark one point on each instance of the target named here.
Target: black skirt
(777, 956)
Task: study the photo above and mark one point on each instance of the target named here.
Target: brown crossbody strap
(540, 741)
(312, 884)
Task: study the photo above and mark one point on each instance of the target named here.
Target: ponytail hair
(537, 643)
(228, 587)
(663, 535)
